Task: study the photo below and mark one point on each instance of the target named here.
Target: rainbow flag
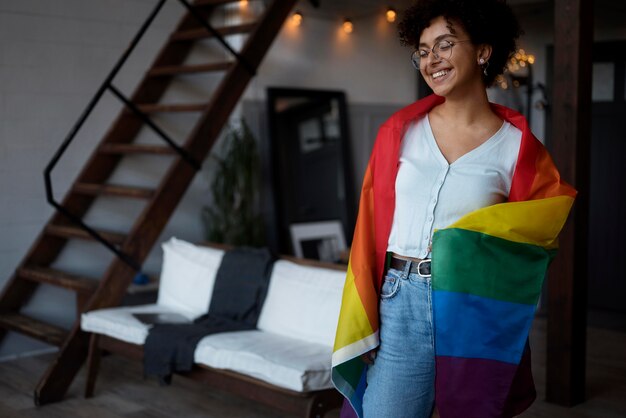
(487, 270)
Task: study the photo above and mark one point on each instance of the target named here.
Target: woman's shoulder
(412, 112)
(390, 134)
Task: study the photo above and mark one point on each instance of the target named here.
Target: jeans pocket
(390, 286)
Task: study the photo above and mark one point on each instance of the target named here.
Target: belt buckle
(419, 267)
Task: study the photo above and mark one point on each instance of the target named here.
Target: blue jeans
(401, 382)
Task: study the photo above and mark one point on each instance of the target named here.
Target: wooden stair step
(157, 108)
(202, 33)
(58, 278)
(125, 148)
(66, 231)
(190, 69)
(95, 189)
(34, 328)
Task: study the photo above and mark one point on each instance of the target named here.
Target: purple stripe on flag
(522, 393)
(472, 388)
(347, 411)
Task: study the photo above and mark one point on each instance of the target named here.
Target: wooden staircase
(118, 143)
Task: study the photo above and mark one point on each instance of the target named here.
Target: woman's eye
(444, 46)
(423, 54)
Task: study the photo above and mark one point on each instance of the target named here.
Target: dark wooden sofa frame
(306, 404)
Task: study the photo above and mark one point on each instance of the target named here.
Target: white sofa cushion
(303, 302)
(119, 323)
(188, 276)
(283, 361)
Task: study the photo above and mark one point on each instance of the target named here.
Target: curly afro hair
(489, 22)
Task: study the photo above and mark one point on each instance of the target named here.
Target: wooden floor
(122, 392)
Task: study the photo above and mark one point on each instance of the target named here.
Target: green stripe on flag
(475, 263)
(351, 371)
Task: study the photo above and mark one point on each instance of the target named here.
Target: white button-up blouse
(432, 194)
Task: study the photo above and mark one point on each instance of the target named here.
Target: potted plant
(233, 217)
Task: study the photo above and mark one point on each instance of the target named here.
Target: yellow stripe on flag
(536, 222)
(354, 324)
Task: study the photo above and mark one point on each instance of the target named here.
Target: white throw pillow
(187, 276)
(303, 302)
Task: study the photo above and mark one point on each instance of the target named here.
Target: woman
(461, 187)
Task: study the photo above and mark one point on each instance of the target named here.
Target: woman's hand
(369, 357)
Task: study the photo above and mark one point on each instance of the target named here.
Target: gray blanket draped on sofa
(240, 288)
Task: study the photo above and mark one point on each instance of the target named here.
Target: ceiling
(335, 9)
(354, 9)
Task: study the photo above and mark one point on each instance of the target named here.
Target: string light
(296, 19)
(391, 15)
(519, 60)
(348, 27)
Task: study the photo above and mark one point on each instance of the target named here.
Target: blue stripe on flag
(472, 326)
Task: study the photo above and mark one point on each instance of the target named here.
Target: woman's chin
(442, 91)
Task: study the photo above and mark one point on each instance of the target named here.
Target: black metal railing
(107, 85)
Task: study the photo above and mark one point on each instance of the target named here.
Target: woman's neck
(466, 109)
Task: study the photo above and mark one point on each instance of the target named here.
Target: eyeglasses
(441, 50)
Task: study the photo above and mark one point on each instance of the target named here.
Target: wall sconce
(347, 26)
(296, 18)
(391, 15)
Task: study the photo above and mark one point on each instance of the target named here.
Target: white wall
(369, 64)
(53, 57)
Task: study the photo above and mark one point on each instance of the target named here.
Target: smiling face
(457, 71)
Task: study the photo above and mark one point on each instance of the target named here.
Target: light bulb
(296, 19)
(391, 15)
(348, 27)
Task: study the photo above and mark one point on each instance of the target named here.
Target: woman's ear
(483, 53)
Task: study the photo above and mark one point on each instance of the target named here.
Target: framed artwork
(323, 241)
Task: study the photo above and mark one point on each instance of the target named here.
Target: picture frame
(324, 241)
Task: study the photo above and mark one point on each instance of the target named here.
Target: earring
(485, 66)
(482, 61)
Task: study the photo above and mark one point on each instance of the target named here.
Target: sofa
(284, 363)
